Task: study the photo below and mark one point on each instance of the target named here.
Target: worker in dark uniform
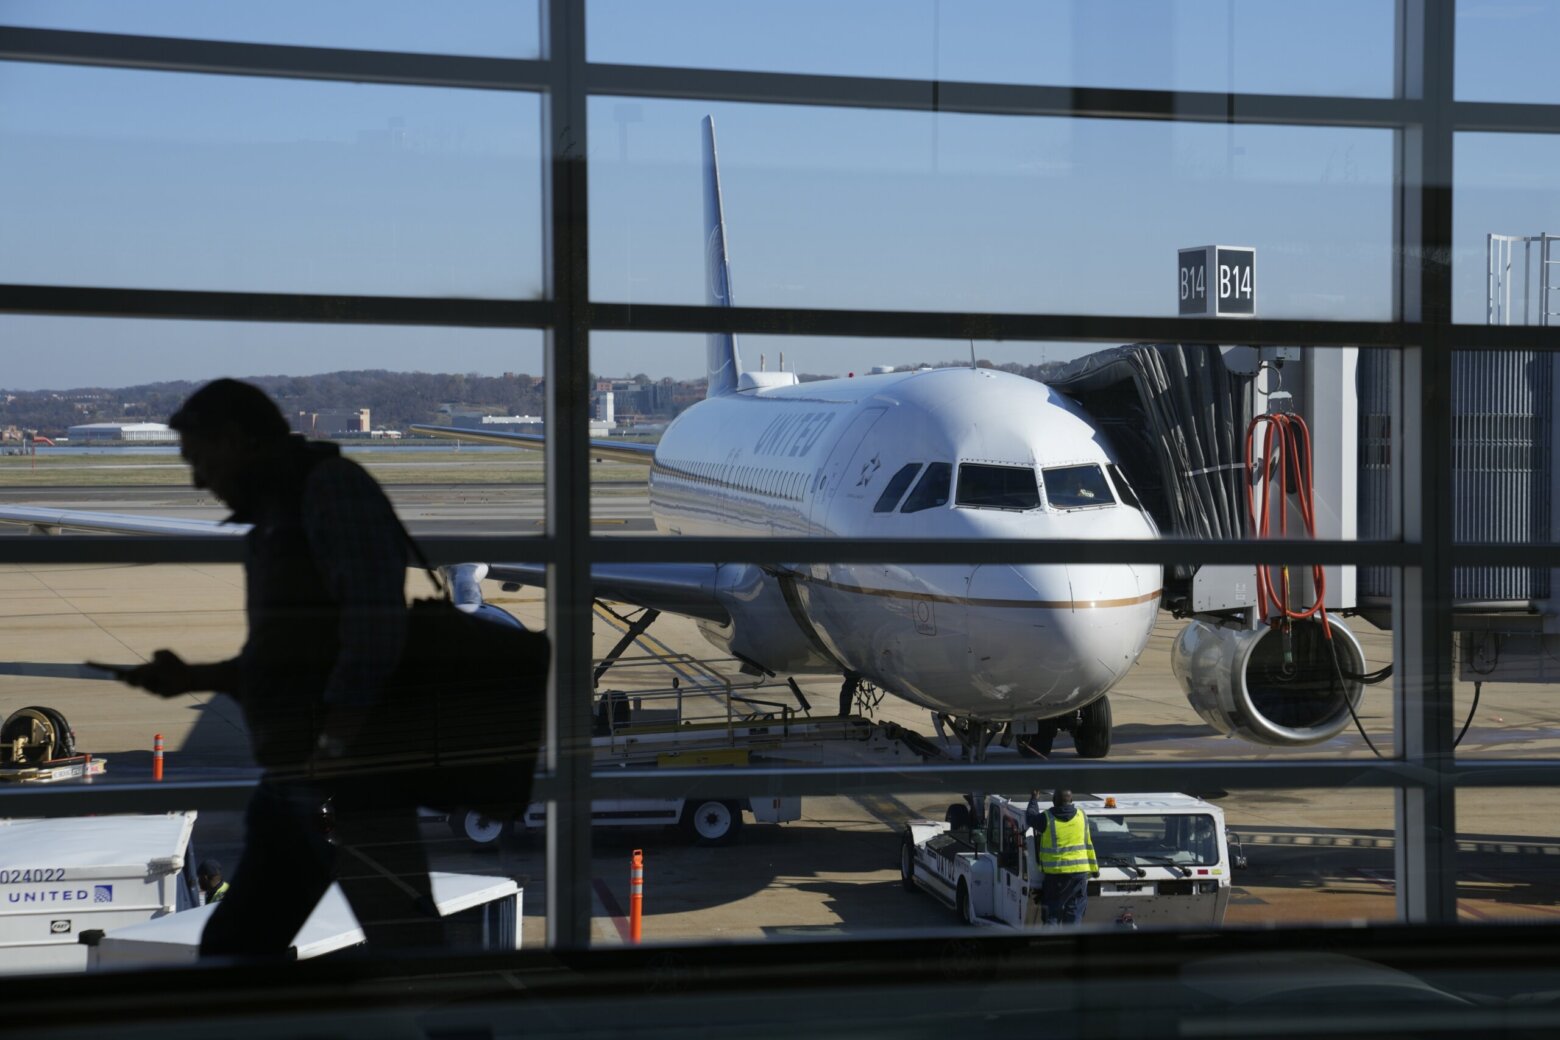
(208, 877)
(325, 578)
(1065, 850)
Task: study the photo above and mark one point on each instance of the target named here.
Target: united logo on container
(102, 893)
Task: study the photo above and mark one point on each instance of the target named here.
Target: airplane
(948, 453)
(929, 454)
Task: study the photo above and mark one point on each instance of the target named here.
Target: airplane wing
(677, 588)
(674, 588)
(51, 520)
(617, 451)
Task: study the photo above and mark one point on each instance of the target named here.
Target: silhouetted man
(1065, 850)
(325, 577)
(208, 877)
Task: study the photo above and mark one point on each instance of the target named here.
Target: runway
(1314, 855)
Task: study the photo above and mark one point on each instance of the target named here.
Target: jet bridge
(1190, 424)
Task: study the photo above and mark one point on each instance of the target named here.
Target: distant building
(331, 423)
(605, 412)
(133, 432)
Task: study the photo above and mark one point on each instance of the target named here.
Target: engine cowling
(1239, 682)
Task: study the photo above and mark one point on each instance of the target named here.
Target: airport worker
(208, 877)
(1065, 850)
(325, 577)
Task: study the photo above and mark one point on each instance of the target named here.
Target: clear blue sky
(143, 179)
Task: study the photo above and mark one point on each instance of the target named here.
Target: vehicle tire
(712, 821)
(958, 816)
(907, 863)
(482, 829)
(1091, 738)
(64, 736)
(963, 905)
(1038, 744)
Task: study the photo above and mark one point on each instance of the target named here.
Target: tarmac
(1314, 856)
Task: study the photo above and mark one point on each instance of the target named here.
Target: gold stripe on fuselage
(937, 597)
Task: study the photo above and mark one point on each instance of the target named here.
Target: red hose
(1286, 440)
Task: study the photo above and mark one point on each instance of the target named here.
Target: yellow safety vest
(1066, 846)
(216, 896)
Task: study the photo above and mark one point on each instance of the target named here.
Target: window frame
(1424, 775)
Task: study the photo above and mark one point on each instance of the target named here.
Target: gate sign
(1218, 281)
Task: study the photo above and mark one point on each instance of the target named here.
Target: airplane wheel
(1038, 744)
(712, 822)
(958, 816)
(907, 864)
(1092, 737)
(479, 828)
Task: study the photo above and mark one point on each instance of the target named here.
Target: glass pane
(850, 414)
(1505, 847)
(84, 418)
(727, 869)
(869, 209)
(1500, 46)
(1505, 664)
(491, 28)
(1077, 487)
(1505, 205)
(894, 490)
(1252, 47)
(997, 487)
(181, 181)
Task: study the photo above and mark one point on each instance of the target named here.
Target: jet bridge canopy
(1176, 416)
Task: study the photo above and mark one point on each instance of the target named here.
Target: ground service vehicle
(65, 876)
(1164, 860)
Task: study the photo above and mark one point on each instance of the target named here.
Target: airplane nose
(1053, 636)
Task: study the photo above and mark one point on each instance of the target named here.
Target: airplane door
(836, 469)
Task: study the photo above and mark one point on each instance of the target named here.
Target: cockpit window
(997, 487)
(1077, 487)
(932, 490)
(896, 488)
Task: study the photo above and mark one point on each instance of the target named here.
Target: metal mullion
(569, 754)
(960, 777)
(1501, 117)
(149, 549)
(284, 61)
(791, 321)
(661, 549)
(1465, 554)
(1425, 850)
(1504, 337)
(196, 305)
(930, 95)
(99, 798)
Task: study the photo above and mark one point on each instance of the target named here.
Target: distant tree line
(395, 399)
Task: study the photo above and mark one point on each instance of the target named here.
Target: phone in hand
(118, 671)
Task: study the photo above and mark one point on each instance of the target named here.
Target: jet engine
(1269, 687)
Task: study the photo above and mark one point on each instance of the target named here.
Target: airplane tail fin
(723, 362)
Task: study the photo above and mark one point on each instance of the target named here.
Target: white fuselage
(991, 642)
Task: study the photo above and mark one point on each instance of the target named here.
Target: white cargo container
(61, 877)
(481, 911)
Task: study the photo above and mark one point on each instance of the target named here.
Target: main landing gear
(1089, 726)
